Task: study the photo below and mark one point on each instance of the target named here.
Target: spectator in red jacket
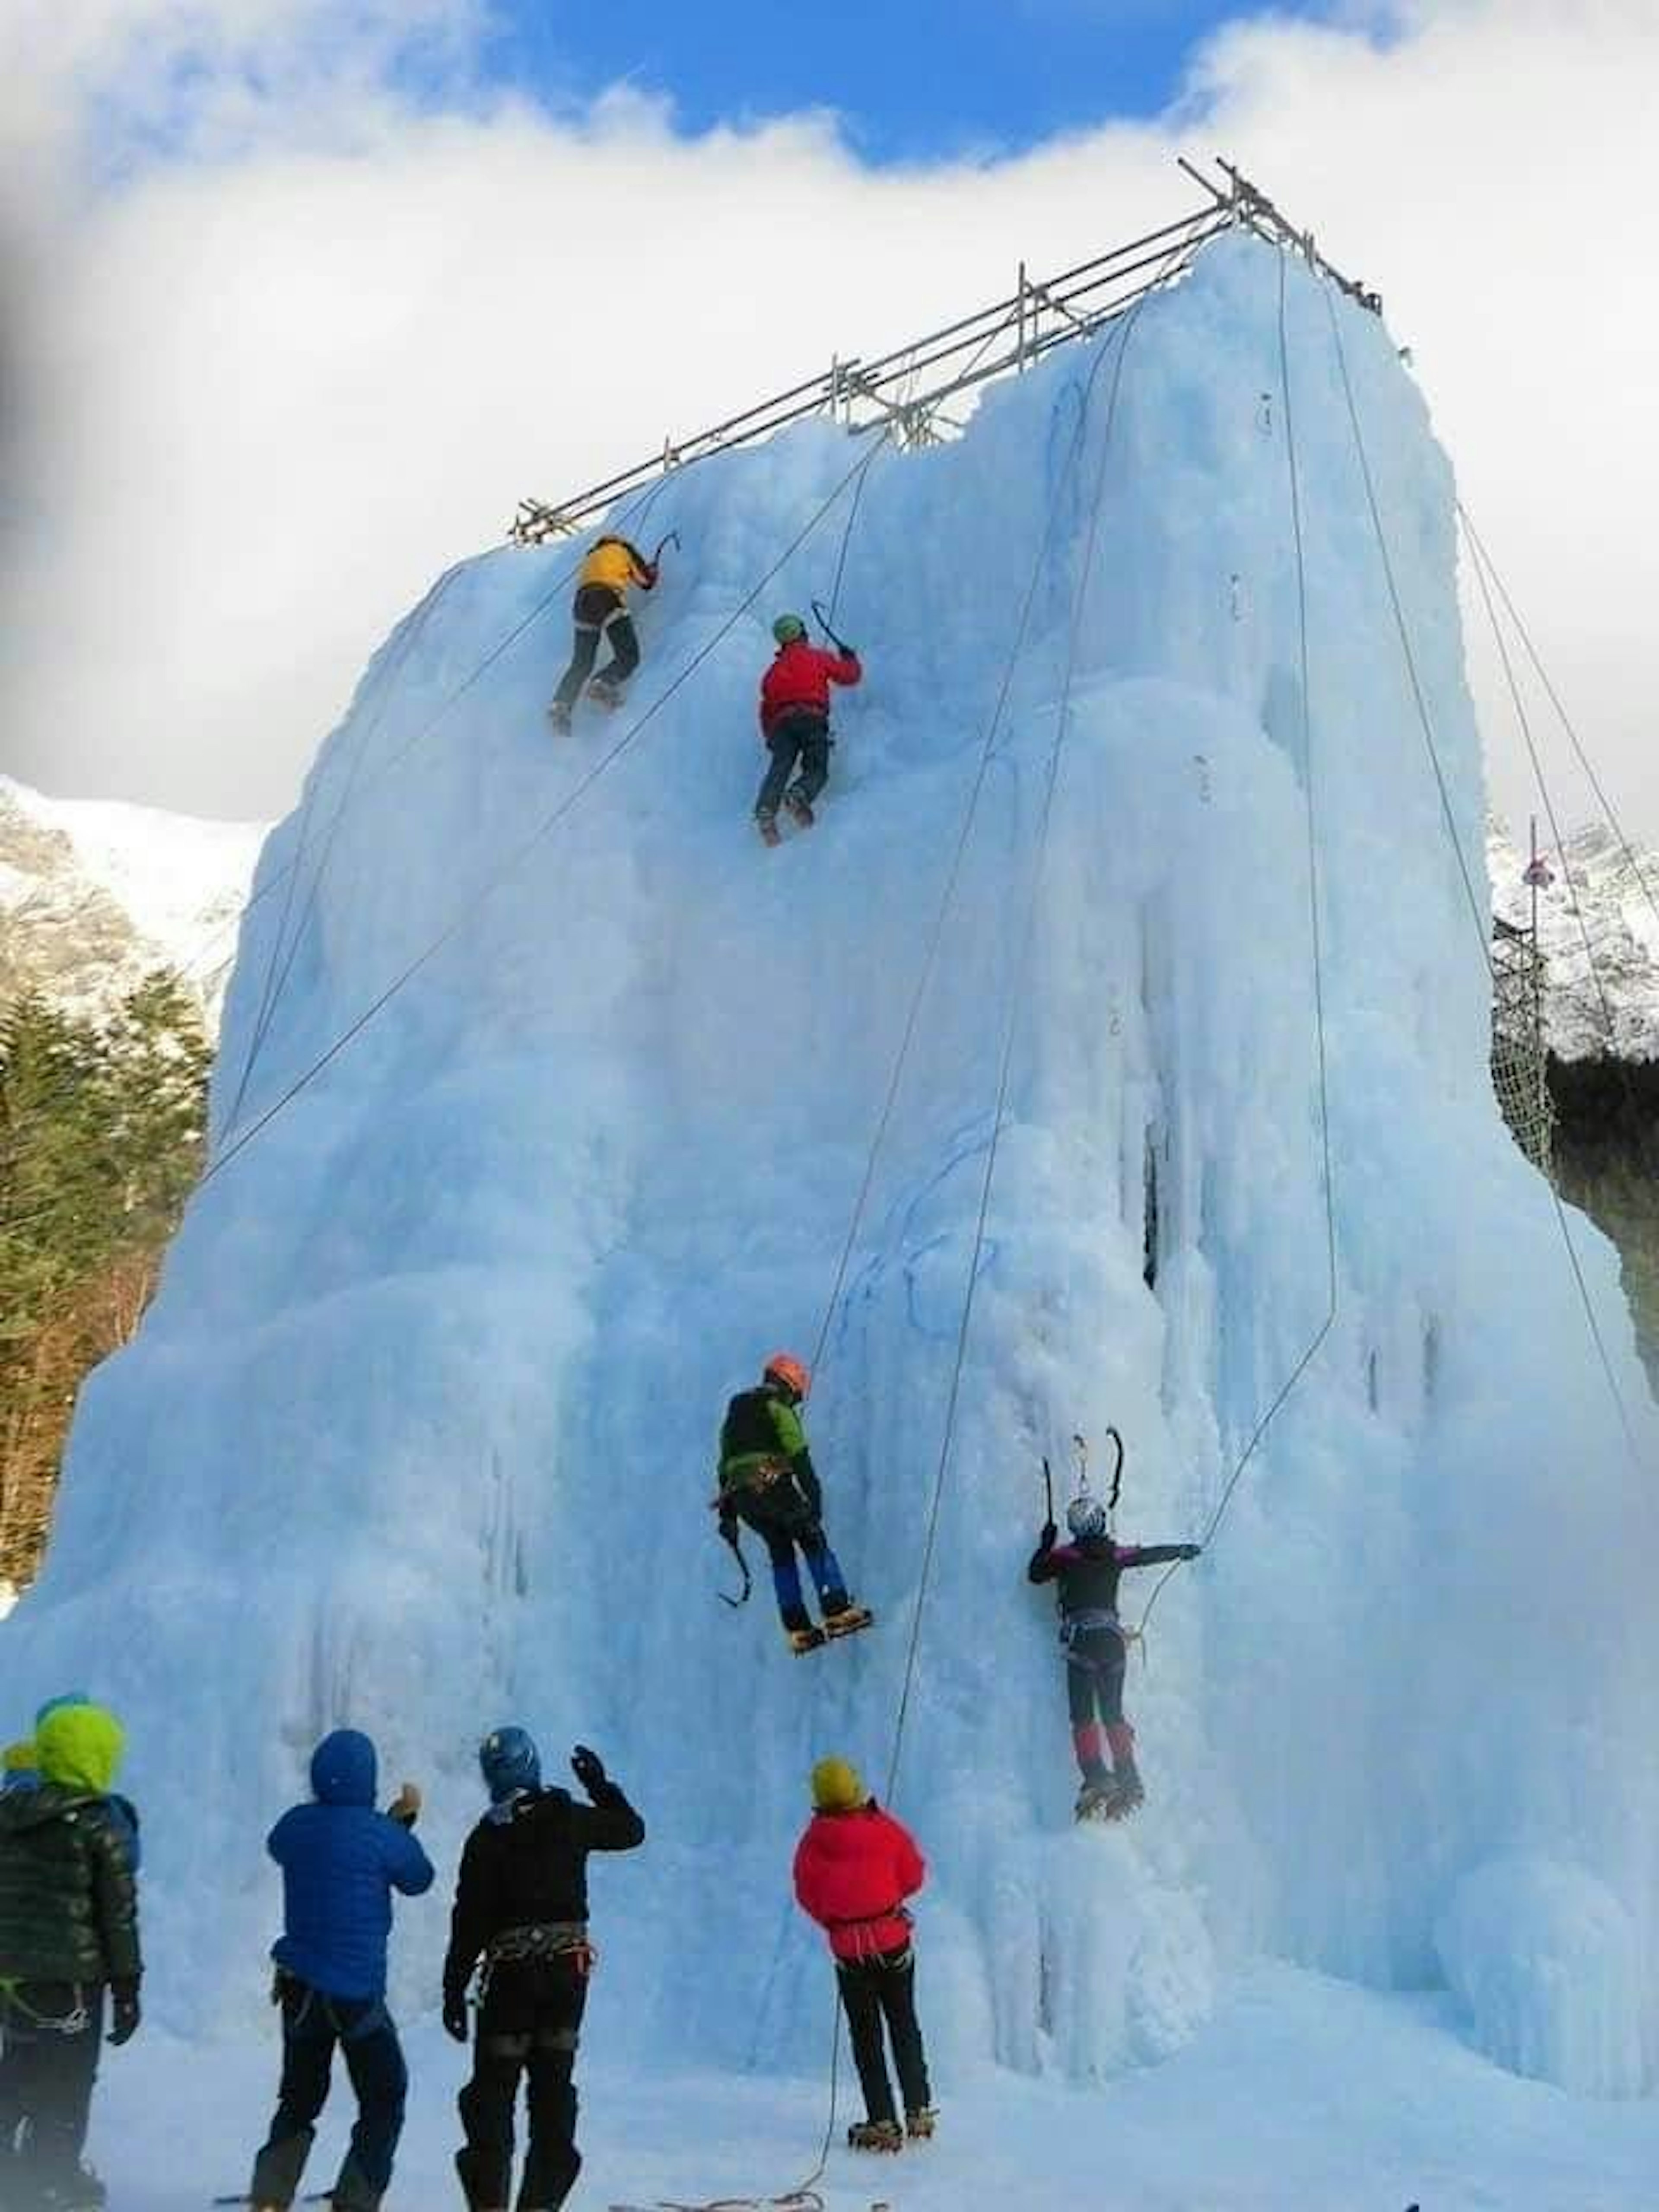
(854, 1868)
(794, 719)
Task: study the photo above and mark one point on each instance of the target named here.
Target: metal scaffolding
(1519, 1046)
(906, 391)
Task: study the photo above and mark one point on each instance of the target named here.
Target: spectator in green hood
(69, 1949)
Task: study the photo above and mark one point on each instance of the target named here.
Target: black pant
(529, 2026)
(47, 2080)
(598, 612)
(312, 2025)
(801, 737)
(1094, 1677)
(874, 1989)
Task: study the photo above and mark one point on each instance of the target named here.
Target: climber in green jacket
(69, 1935)
(767, 1481)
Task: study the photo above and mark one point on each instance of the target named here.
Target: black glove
(1191, 1551)
(1049, 1537)
(588, 1768)
(851, 651)
(127, 2013)
(728, 1528)
(455, 2016)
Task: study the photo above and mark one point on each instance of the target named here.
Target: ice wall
(419, 1433)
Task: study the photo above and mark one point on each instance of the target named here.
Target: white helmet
(1085, 1516)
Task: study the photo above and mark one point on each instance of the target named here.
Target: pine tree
(101, 1130)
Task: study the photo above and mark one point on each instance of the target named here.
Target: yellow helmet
(837, 1787)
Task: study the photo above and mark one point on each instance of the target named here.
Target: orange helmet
(795, 1374)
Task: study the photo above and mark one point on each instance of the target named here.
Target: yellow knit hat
(837, 1787)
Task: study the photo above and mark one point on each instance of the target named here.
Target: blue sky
(912, 78)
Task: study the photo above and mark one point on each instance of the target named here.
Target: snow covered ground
(419, 1432)
(1303, 2094)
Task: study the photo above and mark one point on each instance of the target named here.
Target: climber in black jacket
(1087, 1571)
(521, 1908)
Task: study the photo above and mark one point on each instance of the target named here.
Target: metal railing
(906, 391)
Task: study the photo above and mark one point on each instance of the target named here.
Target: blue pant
(821, 1564)
(312, 2025)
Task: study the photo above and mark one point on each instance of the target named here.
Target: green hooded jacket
(761, 1428)
(68, 1905)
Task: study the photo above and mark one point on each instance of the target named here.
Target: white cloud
(286, 373)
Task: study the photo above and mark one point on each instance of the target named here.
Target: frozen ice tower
(419, 1433)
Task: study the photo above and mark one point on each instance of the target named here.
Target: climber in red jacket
(794, 719)
(854, 1868)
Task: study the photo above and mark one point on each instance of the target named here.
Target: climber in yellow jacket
(612, 570)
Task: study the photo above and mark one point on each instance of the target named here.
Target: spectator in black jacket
(69, 1936)
(521, 1908)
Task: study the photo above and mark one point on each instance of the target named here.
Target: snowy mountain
(1598, 927)
(574, 1090)
(94, 894)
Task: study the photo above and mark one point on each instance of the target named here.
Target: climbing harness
(539, 1943)
(71, 2023)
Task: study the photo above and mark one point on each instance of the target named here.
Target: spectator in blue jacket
(341, 1861)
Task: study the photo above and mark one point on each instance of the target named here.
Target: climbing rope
(1478, 562)
(1315, 943)
(279, 965)
(515, 860)
(1554, 697)
(1476, 909)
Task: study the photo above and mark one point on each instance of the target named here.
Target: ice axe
(823, 620)
(736, 1542)
(669, 538)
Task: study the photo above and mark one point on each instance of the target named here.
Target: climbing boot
(1093, 1799)
(1127, 1790)
(844, 1617)
(919, 2126)
(875, 2135)
(802, 1640)
(767, 826)
(800, 808)
(354, 2191)
(278, 2169)
(559, 714)
(605, 692)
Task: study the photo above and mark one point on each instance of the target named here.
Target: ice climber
(341, 1861)
(767, 1480)
(612, 570)
(69, 1945)
(1087, 1571)
(794, 719)
(521, 1909)
(854, 1868)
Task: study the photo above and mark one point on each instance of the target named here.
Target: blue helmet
(508, 1760)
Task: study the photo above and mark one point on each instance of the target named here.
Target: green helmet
(788, 627)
